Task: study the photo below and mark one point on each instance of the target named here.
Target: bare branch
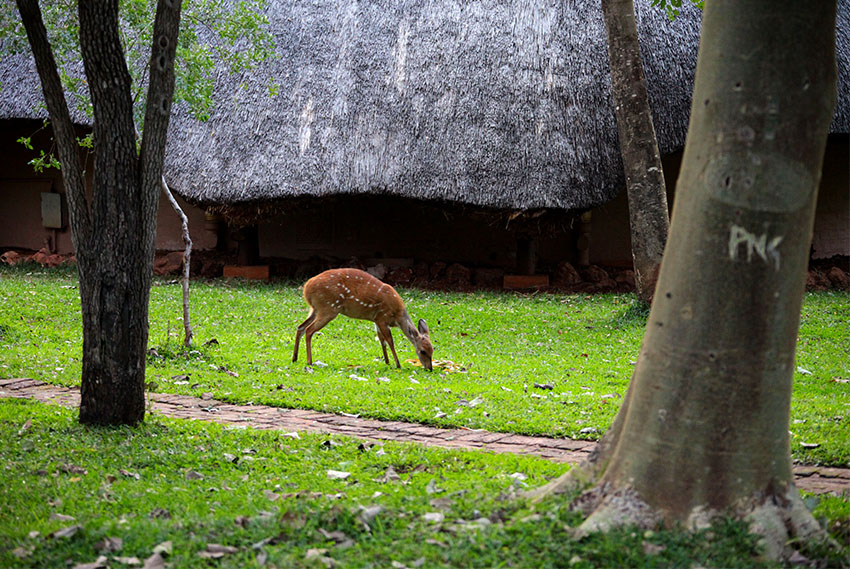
(187, 253)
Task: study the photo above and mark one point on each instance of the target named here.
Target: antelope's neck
(408, 328)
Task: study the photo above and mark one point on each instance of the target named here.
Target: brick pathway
(815, 479)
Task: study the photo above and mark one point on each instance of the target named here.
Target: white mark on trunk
(758, 244)
(306, 130)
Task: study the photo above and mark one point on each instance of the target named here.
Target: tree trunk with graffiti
(704, 428)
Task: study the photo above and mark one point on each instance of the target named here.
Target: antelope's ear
(423, 327)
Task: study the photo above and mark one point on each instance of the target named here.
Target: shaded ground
(816, 479)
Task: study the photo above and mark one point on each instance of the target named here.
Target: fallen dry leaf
(109, 544)
(652, 549)
(441, 503)
(338, 474)
(194, 475)
(128, 560)
(389, 476)
(61, 517)
(73, 469)
(159, 513)
(216, 551)
(99, 563)
(336, 536)
(447, 366)
(164, 547)
(434, 517)
(23, 552)
(66, 532)
(370, 513)
(314, 553)
(155, 561)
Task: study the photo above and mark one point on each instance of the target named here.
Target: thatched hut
(435, 131)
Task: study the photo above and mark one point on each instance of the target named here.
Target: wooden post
(583, 241)
(526, 255)
(247, 245)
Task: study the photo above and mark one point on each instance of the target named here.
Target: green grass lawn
(507, 345)
(69, 494)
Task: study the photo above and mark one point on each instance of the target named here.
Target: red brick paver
(820, 480)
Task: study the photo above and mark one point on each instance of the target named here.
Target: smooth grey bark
(113, 229)
(704, 428)
(645, 188)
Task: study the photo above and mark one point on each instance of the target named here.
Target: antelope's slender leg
(300, 332)
(388, 337)
(383, 343)
(320, 322)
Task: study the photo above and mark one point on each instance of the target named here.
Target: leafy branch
(672, 7)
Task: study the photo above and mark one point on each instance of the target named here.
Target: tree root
(781, 520)
(609, 508)
(575, 479)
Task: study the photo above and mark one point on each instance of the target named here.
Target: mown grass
(269, 500)
(508, 345)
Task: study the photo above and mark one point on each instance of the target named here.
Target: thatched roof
(493, 104)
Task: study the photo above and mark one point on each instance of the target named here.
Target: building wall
(832, 219)
(611, 240)
(380, 227)
(21, 225)
(376, 227)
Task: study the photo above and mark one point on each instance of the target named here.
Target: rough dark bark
(704, 428)
(648, 217)
(113, 232)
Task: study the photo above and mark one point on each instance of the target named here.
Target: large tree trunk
(114, 230)
(645, 187)
(114, 271)
(704, 429)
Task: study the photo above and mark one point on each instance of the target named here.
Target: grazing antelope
(358, 294)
